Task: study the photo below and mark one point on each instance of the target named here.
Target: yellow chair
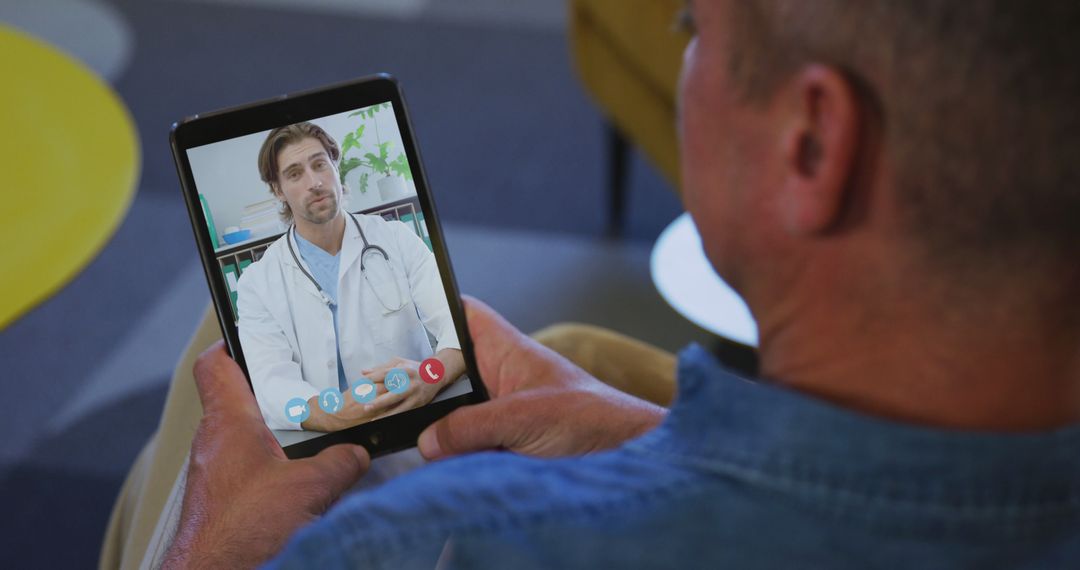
(70, 158)
(628, 54)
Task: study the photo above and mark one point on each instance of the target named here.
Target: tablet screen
(333, 285)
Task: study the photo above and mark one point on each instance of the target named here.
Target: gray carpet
(513, 150)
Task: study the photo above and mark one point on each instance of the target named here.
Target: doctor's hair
(282, 137)
(976, 103)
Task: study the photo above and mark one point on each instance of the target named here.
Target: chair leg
(618, 150)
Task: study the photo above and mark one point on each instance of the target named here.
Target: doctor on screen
(341, 303)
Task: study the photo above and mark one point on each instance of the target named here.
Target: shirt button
(329, 363)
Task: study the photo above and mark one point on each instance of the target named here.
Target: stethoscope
(368, 248)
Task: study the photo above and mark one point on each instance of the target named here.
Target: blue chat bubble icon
(363, 391)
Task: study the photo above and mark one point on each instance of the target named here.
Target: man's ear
(819, 149)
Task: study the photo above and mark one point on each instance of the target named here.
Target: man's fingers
(338, 468)
(383, 368)
(484, 323)
(503, 353)
(384, 402)
(375, 374)
(221, 383)
(468, 429)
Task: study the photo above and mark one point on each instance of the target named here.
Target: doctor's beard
(321, 212)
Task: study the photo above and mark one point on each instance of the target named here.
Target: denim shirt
(741, 474)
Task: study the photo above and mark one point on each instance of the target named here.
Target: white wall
(227, 173)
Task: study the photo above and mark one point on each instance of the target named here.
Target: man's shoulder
(370, 220)
(470, 488)
(490, 494)
(259, 270)
(375, 222)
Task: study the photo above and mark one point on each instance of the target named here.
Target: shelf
(246, 244)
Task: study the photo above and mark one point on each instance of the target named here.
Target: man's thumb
(465, 430)
(340, 467)
(486, 325)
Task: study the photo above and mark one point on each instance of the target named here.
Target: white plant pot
(391, 188)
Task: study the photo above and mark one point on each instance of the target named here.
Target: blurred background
(517, 153)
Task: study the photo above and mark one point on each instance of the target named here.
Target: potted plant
(392, 171)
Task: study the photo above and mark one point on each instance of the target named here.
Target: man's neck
(985, 367)
(327, 236)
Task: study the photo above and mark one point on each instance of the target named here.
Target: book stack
(262, 219)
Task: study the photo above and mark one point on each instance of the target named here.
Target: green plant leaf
(400, 166)
(349, 142)
(347, 165)
(350, 163)
(377, 164)
(363, 182)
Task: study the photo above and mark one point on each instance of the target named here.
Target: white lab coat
(287, 330)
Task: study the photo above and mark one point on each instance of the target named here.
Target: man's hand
(244, 498)
(419, 393)
(541, 404)
(352, 413)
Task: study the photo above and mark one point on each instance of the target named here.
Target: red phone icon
(431, 370)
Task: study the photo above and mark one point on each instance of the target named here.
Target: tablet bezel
(385, 435)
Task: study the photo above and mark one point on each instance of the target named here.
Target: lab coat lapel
(294, 270)
(351, 245)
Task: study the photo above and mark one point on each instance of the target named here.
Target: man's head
(946, 130)
(299, 163)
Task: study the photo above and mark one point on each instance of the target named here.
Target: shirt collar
(308, 249)
(723, 419)
(351, 234)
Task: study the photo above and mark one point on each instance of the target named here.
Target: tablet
(328, 270)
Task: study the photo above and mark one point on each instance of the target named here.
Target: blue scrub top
(324, 268)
